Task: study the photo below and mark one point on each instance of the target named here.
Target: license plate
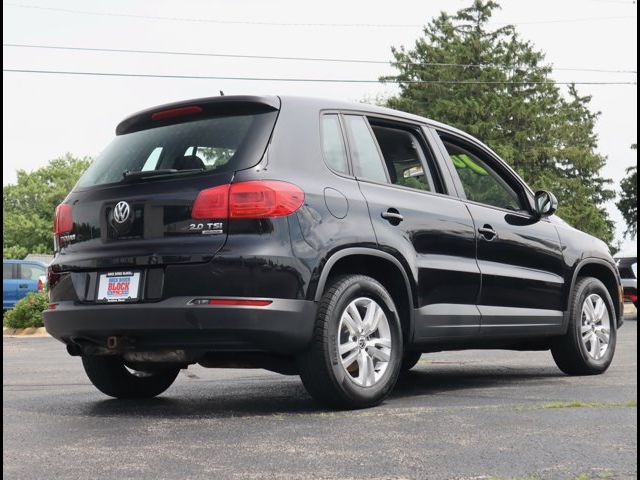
(118, 287)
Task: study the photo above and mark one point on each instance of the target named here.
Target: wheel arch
(383, 267)
(603, 271)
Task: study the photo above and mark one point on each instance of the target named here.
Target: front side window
(335, 152)
(367, 164)
(404, 158)
(31, 272)
(480, 181)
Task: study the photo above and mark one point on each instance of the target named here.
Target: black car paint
(461, 289)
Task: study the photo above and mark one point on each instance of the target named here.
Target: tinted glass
(367, 163)
(404, 158)
(31, 272)
(480, 182)
(7, 271)
(209, 144)
(335, 153)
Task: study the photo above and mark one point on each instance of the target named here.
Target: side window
(367, 163)
(7, 271)
(335, 153)
(404, 158)
(30, 272)
(481, 183)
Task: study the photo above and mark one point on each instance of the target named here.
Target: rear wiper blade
(130, 175)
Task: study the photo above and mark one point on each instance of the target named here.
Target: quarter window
(335, 153)
(367, 163)
(480, 181)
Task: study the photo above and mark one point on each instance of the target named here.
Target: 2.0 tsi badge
(121, 212)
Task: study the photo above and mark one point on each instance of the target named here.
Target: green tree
(29, 204)
(628, 203)
(504, 95)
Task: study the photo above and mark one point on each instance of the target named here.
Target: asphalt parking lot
(493, 414)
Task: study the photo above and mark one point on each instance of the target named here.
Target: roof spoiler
(210, 106)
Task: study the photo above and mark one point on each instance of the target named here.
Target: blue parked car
(20, 277)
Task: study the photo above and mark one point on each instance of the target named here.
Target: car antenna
(221, 93)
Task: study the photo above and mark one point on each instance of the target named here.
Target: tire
(109, 375)
(351, 386)
(570, 352)
(410, 360)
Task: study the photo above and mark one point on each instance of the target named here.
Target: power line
(309, 80)
(288, 24)
(309, 59)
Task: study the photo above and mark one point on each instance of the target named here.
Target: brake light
(40, 285)
(256, 199)
(176, 112)
(63, 219)
(211, 203)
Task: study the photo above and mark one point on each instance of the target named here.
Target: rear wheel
(590, 342)
(111, 376)
(355, 356)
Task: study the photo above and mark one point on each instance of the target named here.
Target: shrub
(27, 312)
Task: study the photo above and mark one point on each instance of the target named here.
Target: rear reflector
(256, 199)
(631, 297)
(239, 302)
(53, 306)
(63, 219)
(176, 112)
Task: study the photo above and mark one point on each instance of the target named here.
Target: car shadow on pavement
(287, 396)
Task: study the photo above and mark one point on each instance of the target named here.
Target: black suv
(332, 240)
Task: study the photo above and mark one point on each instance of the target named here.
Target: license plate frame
(119, 287)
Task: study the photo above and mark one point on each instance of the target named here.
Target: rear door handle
(23, 285)
(393, 216)
(488, 232)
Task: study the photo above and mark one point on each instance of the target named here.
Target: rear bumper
(283, 327)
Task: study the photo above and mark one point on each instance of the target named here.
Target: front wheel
(590, 342)
(355, 356)
(111, 376)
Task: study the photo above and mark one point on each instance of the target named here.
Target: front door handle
(393, 216)
(488, 232)
(23, 285)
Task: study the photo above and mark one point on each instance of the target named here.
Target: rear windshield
(217, 144)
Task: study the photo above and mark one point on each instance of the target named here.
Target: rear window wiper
(132, 175)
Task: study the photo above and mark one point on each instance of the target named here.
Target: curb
(25, 332)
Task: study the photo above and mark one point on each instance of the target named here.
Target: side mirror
(546, 203)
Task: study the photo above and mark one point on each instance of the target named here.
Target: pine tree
(505, 96)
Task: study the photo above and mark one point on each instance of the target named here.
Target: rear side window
(207, 145)
(404, 158)
(335, 152)
(8, 271)
(367, 163)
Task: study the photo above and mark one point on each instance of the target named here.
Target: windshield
(211, 144)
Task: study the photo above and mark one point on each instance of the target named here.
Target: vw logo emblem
(121, 212)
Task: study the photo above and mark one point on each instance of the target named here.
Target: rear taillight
(212, 203)
(63, 220)
(257, 199)
(40, 285)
